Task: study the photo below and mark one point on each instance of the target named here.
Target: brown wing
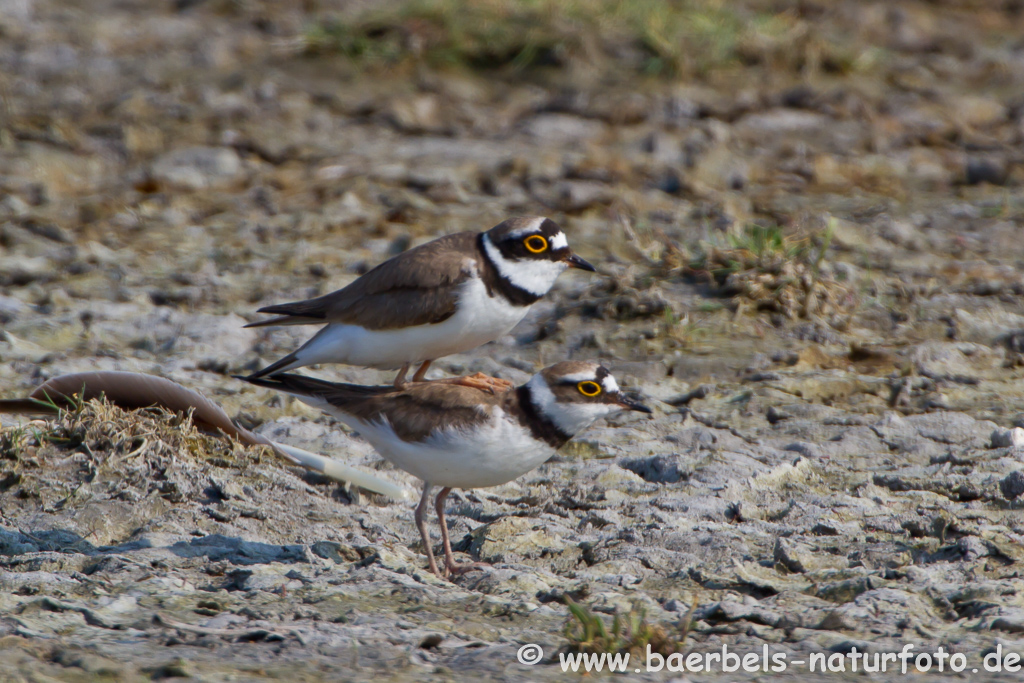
(413, 412)
(425, 408)
(417, 287)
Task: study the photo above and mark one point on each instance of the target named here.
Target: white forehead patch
(530, 228)
(558, 241)
(580, 377)
(609, 383)
(535, 276)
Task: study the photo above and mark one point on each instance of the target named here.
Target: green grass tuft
(776, 272)
(630, 632)
(756, 246)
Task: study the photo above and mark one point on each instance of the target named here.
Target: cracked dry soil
(815, 479)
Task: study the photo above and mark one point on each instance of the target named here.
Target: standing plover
(443, 297)
(457, 436)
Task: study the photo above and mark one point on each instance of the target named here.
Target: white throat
(534, 276)
(570, 418)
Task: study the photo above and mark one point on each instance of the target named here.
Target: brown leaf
(131, 391)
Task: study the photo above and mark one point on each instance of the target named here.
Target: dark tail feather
(283, 320)
(292, 384)
(301, 385)
(294, 313)
(274, 368)
(269, 383)
(287, 320)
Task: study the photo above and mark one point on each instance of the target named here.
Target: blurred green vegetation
(586, 631)
(653, 37)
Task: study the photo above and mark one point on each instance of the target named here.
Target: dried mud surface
(816, 477)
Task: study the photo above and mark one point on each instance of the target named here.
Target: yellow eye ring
(536, 244)
(589, 388)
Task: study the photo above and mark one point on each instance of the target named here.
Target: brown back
(414, 412)
(417, 287)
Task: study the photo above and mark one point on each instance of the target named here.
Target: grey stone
(563, 128)
(884, 610)
(198, 168)
(660, 469)
(1012, 485)
(1012, 621)
(783, 121)
(1008, 438)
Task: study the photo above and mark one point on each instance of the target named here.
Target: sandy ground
(836, 457)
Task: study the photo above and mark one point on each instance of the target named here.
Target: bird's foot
(453, 568)
(483, 382)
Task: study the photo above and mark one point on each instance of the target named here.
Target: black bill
(575, 261)
(632, 403)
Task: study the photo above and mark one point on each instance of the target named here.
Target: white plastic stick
(340, 472)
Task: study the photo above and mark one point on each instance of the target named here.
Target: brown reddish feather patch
(414, 412)
(421, 409)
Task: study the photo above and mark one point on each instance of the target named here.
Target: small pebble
(1008, 438)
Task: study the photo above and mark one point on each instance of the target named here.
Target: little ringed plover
(443, 297)
(451, 435)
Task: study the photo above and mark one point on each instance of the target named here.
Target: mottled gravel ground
(815, 478)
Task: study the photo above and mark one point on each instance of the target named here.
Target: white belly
(478, 319)
(494, 454)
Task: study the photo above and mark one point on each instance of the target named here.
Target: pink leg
(449, 560)
(400, 379)
(421, 524)
(422, 372)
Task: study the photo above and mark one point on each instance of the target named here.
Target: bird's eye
(536, 244)
(589, 388)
